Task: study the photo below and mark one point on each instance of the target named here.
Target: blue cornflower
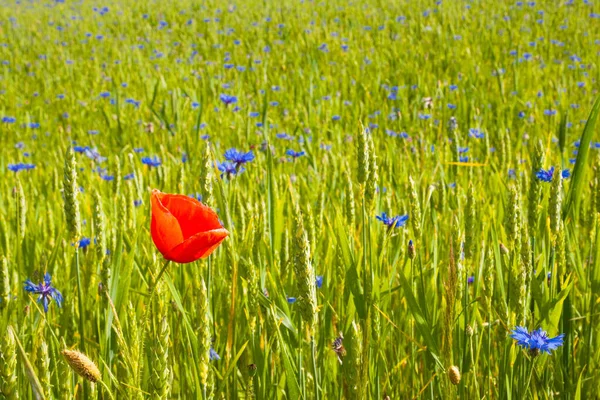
(9, 120)
(545, 175)
(20, 166)
(129, 176)
(228, 99)
(336, 118)
(471, 279)
(537, 340)
(291, 300)
(213, 356)
(45, 291)
(566, 174)
(284, 136)
(84, 242)
(108, 178)
(80, 149)
(295, 154)
(392, 222)
(93, 154)
(229, 169)
(319, 281)
(151, 161)
(238, 158)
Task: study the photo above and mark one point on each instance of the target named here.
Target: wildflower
(93, 154)
(291, 300)
(183, 229)
(395, 222)
(229, 169)
(151, 161)
(411, 249)
(284, 136)
(471, 279)
(20, 166)
(84, 242)
(545, 175)
(319, 281)
(295, 154)
(228, 99)
(537, 340)
(45, 290)
(213, 355)
(238, 158)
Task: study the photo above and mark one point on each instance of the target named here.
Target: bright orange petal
(165, 230)
(201, 245)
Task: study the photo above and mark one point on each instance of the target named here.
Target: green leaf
(577, 179)
(36, 387)
(551, 312)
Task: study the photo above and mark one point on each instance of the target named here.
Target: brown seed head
(454, 375)
(81, 364)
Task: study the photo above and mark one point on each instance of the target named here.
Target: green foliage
(446, 113)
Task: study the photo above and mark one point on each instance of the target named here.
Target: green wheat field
(411, 191)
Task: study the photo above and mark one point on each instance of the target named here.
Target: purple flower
(228, 99)
(295, 154)
(537, 340)
(46, 292)
(229, 169)
(213, 356)
(545, 175)
(319, 281)
(20, 166)
(151, 161)
(392, 222)
(84, 242)
(238, 158)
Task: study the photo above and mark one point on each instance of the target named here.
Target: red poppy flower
(183, 229)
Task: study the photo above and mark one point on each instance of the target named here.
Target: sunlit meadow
(411, 192)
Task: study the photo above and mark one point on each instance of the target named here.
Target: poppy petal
(165, 230)
(193, 216)
(201, 245)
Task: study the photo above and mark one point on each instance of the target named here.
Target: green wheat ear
(555, 203)
(363, 156)
(535, 189)
(4, 283)
(353, 364)
(305, 275)
(71, 190)
(8, 366)
(204, 338)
